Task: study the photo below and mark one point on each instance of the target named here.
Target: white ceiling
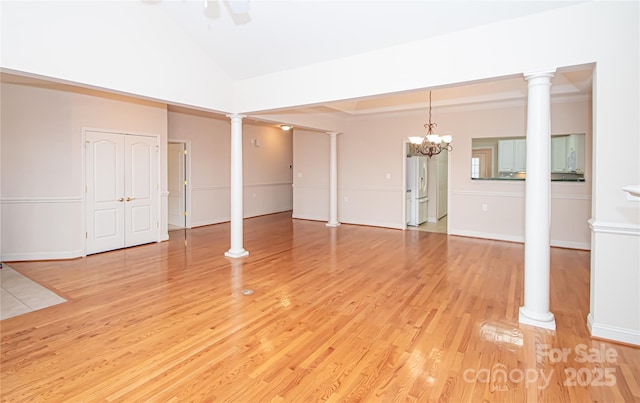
(275, 36)
(279, 35)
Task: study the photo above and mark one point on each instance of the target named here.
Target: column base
(545, 321)
(236, 254)
(331, 224)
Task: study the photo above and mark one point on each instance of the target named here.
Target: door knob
(130, 198)
(121, 199)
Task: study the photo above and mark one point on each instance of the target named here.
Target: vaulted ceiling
(255, 38)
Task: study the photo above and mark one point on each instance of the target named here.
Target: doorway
(178, 177)
(481, 163)
(437, 192)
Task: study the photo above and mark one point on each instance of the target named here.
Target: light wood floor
(341, 314)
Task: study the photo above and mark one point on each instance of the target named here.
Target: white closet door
(140, 188)
(122, 189)
(105, 191)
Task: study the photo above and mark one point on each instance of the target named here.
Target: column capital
(539, 74)
(333, 133)
(233, 116)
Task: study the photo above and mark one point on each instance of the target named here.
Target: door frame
(187, 174)
(405, 151)
(83, 154)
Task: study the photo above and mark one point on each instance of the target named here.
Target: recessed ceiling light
(286, 127)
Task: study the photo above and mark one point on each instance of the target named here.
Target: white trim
(394, 190)
(488, 235)
(203, 223)
(28, 256)
(375, 224)
(482, 193)
(40, 200)
(467, 104)
(519, 239)
(189, 189)
(276, 211)
(549, 324)
(324, 188)
(310, 218)
(226, 187)
(253, 185)
(164, 193)
(605, 227)
(125, 132)
(403, 195)
(568, 196)
(570, 245)
(210, 188)
(619, 334)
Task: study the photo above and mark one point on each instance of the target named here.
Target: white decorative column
(236, 249)
(333, 180)
(537, 245)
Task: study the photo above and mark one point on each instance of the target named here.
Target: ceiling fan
(238, 9)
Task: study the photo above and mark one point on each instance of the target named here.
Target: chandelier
(431, 144)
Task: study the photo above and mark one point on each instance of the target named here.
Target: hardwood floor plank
(350, 313)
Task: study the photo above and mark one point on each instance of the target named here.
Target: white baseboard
(209, 222)
(518, 239)
(570, 245)
(310, 217)
(614, 333)
(58, 255)
(373, 224)
(487, 235)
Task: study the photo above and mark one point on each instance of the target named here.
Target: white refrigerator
(417, 186)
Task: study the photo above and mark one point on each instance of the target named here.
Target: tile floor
(440, 226)
(19, 294)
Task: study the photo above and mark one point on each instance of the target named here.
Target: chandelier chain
(431, 144)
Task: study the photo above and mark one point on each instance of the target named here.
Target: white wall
(43, 163)
(504, 218)
(128, 46)
(311, 175)
(370, 158)
(266, 167)
(210, 161)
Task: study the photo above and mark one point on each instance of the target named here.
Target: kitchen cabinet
(567, 153)
(512, 155)
(559, 154)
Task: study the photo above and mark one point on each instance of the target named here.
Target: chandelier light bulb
(431, 144)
